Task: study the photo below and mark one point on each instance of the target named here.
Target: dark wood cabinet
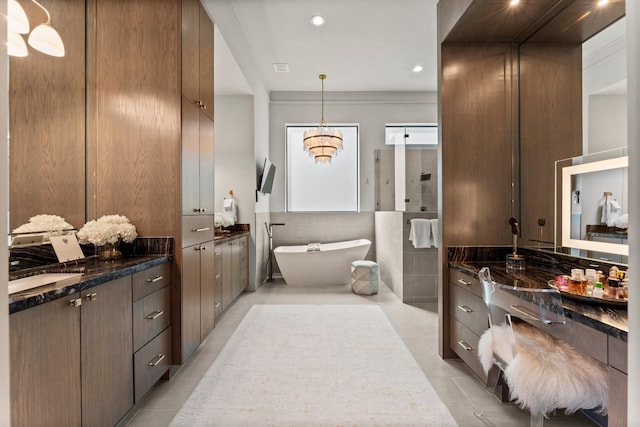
(71, 359)
(207, 289)
(106, 349)
(45, 364)
(234, 269)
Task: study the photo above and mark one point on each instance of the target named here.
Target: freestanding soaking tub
(331, 265)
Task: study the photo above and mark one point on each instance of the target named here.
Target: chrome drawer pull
(92, 297)
(218, 276)
(464, 282)
(75, 302)
(465, 308)
(156, 279)
(465, 345)
(217, 305)
(159, 359)
(199, 209)
(199, 230)
(155, 315)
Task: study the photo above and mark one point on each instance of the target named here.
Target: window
(332, 187)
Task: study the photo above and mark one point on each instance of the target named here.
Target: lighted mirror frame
(567, 173)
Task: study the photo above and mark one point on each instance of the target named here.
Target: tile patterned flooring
(416, 323)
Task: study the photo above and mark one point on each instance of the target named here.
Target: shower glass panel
(406, 172)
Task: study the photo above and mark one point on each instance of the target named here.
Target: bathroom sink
(31, 282)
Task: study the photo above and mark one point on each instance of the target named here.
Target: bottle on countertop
(591, 276)
(597, 290)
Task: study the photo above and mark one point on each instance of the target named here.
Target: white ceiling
(365, 45)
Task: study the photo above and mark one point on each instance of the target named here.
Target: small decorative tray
(622, 303)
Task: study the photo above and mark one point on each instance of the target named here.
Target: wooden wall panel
(46, 100)
(550, 128)
(137, 135)
(476, 147)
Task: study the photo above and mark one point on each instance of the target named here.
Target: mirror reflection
(47, 121)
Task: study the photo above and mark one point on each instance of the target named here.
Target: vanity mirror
(47, 153)
(593, 213)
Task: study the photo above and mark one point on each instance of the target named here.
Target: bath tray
(590, 300)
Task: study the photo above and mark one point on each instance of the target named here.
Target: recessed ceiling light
(417, 68)
(603, 2)
(317, 20)
(514, 2)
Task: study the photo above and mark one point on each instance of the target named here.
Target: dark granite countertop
(608, 319)
(94, 272)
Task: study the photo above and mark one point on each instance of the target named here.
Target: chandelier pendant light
(322, 142)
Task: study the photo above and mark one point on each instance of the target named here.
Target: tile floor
(416, 323)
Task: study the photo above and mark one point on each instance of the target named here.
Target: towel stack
(424, 233)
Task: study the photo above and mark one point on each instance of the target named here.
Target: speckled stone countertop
(227, 235)
(145, 254)
(609, 319)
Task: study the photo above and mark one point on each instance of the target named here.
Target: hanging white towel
(611, 210)
(434, 231)
(229, 212)
(420, 233)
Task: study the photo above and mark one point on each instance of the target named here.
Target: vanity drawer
(468, 282)
(150, 280)
(151, 362)
(196, 229)
(469, 309)
(618, 354)
(465, 344)
(151, 315)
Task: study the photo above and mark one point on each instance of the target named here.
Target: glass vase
(110, 251)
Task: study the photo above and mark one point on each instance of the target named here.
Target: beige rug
(314, 365)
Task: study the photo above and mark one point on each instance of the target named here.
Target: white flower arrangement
(50, 225)
(107, 229)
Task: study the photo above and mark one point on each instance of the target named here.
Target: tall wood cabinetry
(150, 136)
(198, 282)
(71, 359)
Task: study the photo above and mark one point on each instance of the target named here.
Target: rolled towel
(420, 233)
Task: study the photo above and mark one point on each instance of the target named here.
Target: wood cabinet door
(227, 274)
(206, 200)
(190, 304)
(45, 364)
(207, 289)
(206, 61)
(106, 329)
(190, 158)
(190, 49)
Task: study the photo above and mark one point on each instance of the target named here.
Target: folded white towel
(420, 233)
(622, 221)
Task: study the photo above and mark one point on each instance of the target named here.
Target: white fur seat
(543, 373)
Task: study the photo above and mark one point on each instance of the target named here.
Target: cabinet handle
(199, 209)
(465, 345)
(197, 248)
(217, 276)
(464, 282)
(204, 248)
(75, 302)
(217, 305)
(159, 358)
(155, 315)
(198, 230)
(92, 297)
(155, 279)
(465, 309)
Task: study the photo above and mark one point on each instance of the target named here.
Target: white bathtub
(331, 265)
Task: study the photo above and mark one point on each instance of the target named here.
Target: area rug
(314, 365)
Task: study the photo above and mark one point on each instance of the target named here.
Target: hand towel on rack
(229, 211)
(611, 210)
(420, 233)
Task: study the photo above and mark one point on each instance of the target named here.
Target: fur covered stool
(364, 277)
(544, 373)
